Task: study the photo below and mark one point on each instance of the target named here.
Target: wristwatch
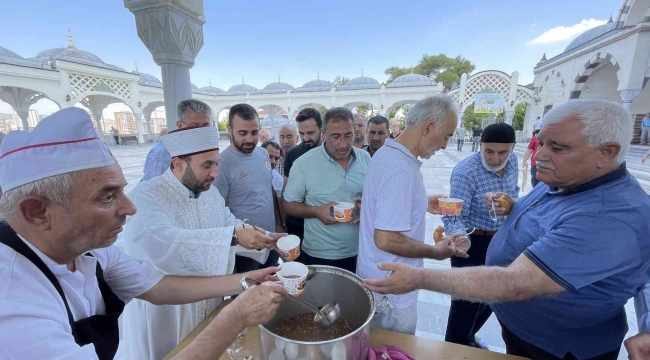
(235, 238)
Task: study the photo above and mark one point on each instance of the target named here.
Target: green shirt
(316, 179)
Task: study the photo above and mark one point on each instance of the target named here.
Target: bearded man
(183, 227)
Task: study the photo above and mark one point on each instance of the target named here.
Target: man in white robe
(63, 283)
(182, 227)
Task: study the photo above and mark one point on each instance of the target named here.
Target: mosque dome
(361, 83)
(9, 57)
(211, 90)
(278, 87)
(591, 34)
(410, 80)
(241, 89)
(149, 80)
(316, 85)
(72, 54)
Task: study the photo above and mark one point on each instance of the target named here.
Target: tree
(222, 125)
(519, 116)
(470, 119)
(362, 109)
(403, 110)
(439, 68)
(339, 80)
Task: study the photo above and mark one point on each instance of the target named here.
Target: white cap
(191, 141)
(61, 143)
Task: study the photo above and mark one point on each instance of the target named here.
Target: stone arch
(496, 81)
(553, 73)
(400, 103)
(119, 98)
(523, 95)
(315, 105)
(590, 67)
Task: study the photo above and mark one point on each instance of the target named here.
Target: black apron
(100, 330)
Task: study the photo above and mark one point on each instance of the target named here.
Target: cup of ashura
(450, 206)
(343, 212)
(289, 247)
(293, 276)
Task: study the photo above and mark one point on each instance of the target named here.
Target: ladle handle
(244, 285)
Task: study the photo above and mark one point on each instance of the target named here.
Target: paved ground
(433, 307)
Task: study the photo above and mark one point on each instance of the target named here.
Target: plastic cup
(293, 276)
(343, 212)
(451, 206)
(289, 247)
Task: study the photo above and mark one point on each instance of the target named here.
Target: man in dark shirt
(476, 137)
(309, 123)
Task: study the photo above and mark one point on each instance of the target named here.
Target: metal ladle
(324, 317)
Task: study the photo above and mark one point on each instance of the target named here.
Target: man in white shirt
(395, 203)
(182, 227)
(538, 124)
(64, 285)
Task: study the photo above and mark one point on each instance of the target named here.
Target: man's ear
(33, 211)
(608, 153)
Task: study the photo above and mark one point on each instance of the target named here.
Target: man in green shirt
(321, 178)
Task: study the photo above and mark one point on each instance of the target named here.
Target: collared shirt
(538, 125)
(391, 136)
(394, 199)
(317, 179)
(34, 319)
(470, 180)
(279, 164)
(645, 122)
(592, 240)
(292, 155)
(157, 162)
(642, 306)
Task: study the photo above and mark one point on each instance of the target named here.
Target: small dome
(316, 85)
(211, 90)
(241, 89)
(277, 87)
(9, 57)
(590, 34)
(75, 55)
(410, 80)
(149, 80)
(194, 87)
(361, 83)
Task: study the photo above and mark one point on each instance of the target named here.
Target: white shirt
(537, 125)
(179, 234)
(278, 182)
(33, 319)
(394, 199)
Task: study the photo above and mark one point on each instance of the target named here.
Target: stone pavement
(433, 307)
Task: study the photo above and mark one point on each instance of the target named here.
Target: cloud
(562, 33)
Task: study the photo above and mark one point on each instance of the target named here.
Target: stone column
(138, 123)
(509, 115)
(150, 134)
(628, 97)
(24, 119)
(172, 30)
(98, 123)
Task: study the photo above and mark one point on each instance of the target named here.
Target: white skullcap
(61, 143)
(191, 141)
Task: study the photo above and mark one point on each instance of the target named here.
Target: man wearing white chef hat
(63, 284)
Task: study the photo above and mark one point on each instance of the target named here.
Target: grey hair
(57, 189)
(436, 108)
(289, 126)
(193, 106)
(603, 122)
(357, 115)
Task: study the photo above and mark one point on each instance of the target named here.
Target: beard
(193, 184)
(244, 147)
(310, 144)
(493, 168)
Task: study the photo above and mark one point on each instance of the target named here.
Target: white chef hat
(61, 143)
(191, 141)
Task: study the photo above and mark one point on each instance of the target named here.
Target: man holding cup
(321, 179)
(493, 170)
(394, 206)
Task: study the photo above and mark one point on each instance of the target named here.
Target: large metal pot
(328, 285)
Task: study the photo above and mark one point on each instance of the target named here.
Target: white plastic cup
(289, 247)
(343, 212)
(293, 276)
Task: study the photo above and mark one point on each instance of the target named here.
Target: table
(418, 347)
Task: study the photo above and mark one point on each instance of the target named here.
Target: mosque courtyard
(433, 308)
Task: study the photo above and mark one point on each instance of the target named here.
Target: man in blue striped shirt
(494, 169)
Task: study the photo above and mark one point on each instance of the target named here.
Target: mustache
(545, 165)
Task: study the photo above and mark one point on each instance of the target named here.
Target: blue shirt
(470, 180)
(157, 162)
(645, 122)
(591, 239)
(642, 306)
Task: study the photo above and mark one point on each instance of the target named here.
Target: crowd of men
(556, 267)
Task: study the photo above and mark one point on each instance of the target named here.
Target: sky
(297, 40)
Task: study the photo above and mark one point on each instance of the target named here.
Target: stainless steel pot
(329, 285)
